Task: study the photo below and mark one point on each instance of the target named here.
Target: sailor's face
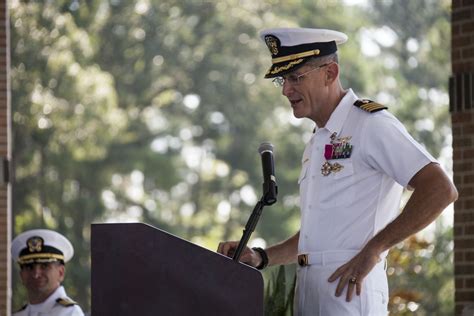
(305, 91)
(42, 279)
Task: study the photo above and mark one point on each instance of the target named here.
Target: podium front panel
(141, 270)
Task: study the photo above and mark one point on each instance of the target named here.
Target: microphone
(270, 188)
(269, 197)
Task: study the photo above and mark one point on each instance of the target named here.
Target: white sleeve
(388, 148)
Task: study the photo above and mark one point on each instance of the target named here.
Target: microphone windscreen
(265, 146)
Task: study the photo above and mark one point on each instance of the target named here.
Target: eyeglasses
(294, 79)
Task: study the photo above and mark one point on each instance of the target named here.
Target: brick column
(5, 154)
(461, 91)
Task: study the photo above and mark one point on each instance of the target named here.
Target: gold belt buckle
(303, 260)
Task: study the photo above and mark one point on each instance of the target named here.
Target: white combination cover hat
(290, 48)
(40, 246)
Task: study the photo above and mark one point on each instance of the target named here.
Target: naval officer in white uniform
(354, 169)
(41, 254)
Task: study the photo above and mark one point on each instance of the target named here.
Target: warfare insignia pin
(328, 167)
(336, 167)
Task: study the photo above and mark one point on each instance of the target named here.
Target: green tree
(61, 101)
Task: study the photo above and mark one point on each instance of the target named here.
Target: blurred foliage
(279, 294)
(152, 111)
(414, 267)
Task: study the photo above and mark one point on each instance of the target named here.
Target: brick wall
(5, 190)
(461, 86)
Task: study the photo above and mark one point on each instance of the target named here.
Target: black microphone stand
(251, 224)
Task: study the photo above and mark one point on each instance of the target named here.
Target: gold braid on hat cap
(286, 67)
(40, 258)
(295, 56)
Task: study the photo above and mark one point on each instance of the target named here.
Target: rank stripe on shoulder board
(369, 106)
(65, 302)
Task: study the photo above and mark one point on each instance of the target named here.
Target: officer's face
(42, 279)
(307, 94)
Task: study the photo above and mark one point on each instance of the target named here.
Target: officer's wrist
(263, 254)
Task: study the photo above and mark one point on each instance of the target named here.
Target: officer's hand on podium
(248, 256)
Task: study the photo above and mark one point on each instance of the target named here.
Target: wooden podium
(141, 270)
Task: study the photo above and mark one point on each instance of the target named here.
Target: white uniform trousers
(315, 296)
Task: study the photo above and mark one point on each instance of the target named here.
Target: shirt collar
(339, 115)
(47, 305)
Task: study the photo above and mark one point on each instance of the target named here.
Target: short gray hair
(317, 61)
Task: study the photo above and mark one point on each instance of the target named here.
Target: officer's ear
(332, 72)
(61, 271)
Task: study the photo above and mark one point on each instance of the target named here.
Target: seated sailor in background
(42, 255)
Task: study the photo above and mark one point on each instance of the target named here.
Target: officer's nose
(36, 271)
(287, 89)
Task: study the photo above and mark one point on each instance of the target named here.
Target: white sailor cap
(40, 246)
(292, 47)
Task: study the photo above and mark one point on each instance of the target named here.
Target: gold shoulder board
(66, 302)
(369, 106)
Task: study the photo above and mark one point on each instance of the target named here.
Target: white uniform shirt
(344, 210)
(50, 307)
